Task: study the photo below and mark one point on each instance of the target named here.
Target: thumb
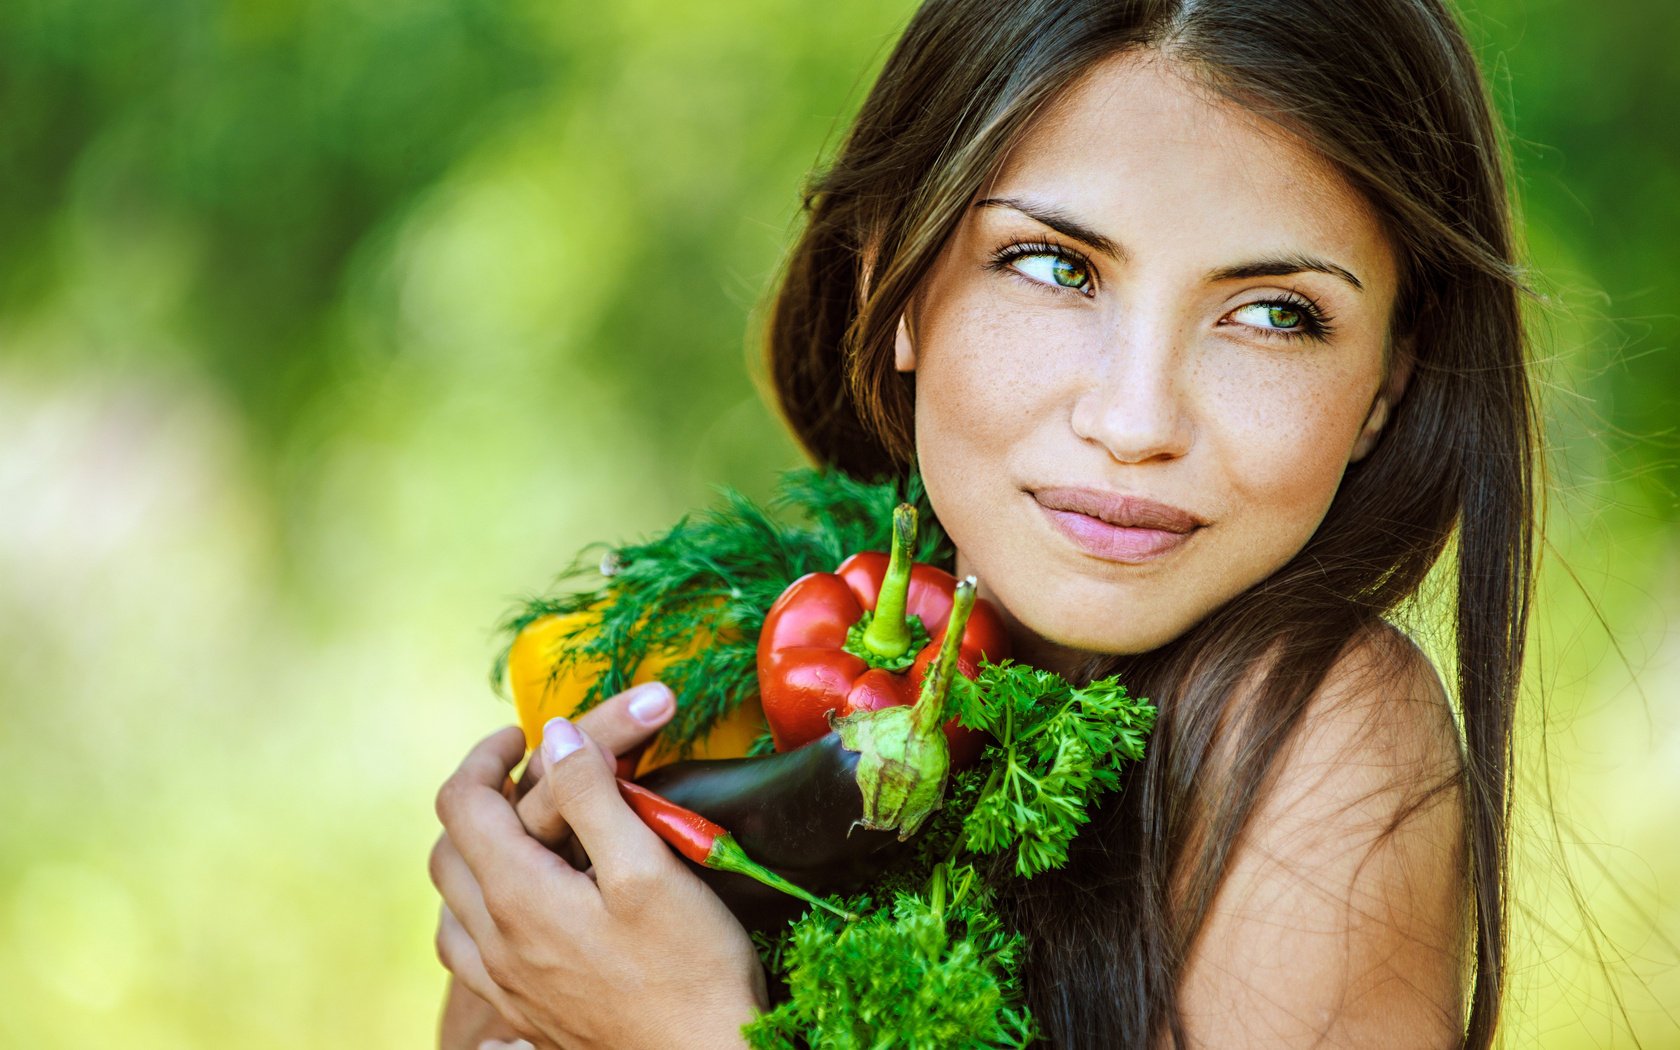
(536, 808)
(621, 726)
(585, 795)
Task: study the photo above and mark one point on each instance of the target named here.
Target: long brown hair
(1389, 91)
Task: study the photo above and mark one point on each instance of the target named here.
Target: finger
(497, 1044)
(623, 726)
(626, 856)
(528, 777)
(538, 815)
(630, 718)
(459, 890)
(625, 722)
(459, 955)
(484, 828)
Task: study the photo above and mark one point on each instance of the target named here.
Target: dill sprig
(713, 576)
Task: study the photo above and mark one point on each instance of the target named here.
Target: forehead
(1148, 154)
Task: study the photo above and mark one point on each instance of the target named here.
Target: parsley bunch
(1058, 748)
(931, 963)
(915, 971)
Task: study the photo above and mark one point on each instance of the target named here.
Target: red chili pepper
(707, 844)
(862, 637)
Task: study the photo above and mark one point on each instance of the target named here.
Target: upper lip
(1131, 512)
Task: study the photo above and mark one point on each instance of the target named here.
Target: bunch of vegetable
(827, 812)
(899, 748)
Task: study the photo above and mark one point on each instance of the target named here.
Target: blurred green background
(326, 330)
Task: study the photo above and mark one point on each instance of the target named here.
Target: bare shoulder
(1378, 731)
(1342, 917)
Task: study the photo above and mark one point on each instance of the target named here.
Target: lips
(1114, 527)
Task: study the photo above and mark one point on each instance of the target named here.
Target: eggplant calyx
(900, 773)
(903, 756)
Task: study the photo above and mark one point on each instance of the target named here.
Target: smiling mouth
(1117, 528)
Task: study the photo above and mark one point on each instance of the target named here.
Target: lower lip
(1114, 542)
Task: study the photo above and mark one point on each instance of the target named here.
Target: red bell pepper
(862, 637)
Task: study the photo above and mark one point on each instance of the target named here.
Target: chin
(1122, 643)
(1069, 626)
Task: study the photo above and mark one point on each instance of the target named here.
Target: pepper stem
(888, 635)
(727, 855)
(928, 716)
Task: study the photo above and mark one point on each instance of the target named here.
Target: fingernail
(560, 738)
(650, 702)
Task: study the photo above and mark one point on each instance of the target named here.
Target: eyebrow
(1068, 226)
(1283, 266)
(1057, 220)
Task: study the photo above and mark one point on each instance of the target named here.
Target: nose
(1136, 404)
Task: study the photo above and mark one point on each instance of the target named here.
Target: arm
(1342, 918)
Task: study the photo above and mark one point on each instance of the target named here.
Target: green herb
(1058, 747)
(934, 970)
(715, 575)
(931, 963)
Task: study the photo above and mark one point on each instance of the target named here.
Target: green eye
(1058, 270)
(1283, 317)
(1276, 316)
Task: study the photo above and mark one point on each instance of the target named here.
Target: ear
(1399, 373)
(904, 349)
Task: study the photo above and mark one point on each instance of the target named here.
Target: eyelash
(1316, 324)
(1005, 256)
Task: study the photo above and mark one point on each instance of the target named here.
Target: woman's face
(1144, 360)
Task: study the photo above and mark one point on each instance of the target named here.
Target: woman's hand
(620, 725)
(634, 952)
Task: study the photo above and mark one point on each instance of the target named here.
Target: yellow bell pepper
(539, 694)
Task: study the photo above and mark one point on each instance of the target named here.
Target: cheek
(981, 388)
(967, 413)
(989, 404)
(997, 379)
(1281, 443)
(984, 369)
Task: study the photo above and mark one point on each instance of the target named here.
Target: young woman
(1201, 320)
